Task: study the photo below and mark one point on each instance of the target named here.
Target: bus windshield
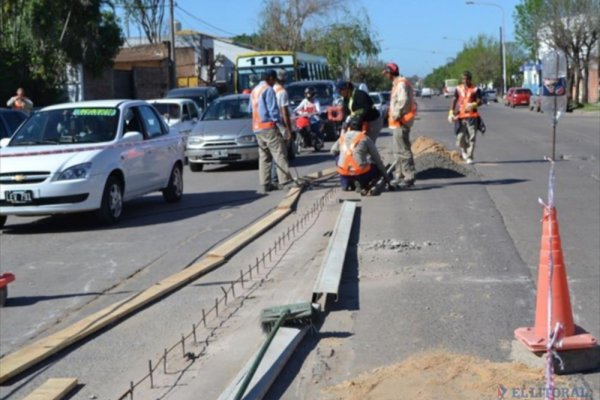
(247, 78)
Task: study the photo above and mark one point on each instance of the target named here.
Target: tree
(569, 25)
(283, 22)
(345, 44)
(147, 14)
(40, 37)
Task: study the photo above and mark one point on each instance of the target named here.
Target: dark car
(520, 97)
(202, 95)
(10, 121)
(326, 94)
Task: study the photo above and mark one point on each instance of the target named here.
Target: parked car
(426, 92)
(489, 95)
(381, 104)
(180, 114)
(507, 95)
(326, 94)
(520, 97)
(10, 121)
(202, 95)
(89, 156)
(223, 135)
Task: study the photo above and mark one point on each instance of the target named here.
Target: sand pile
(423, 144)
(439, 375)
(434, 157)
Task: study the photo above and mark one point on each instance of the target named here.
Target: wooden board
(26, 357)
(236, 242)
(53, 389)
(290, 199)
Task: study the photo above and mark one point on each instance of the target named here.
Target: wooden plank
(279, 352)
(53, 389)
(330, 273)
(26, 357)
(239, 240)
(290, 199)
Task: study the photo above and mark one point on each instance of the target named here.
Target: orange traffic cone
(536, 338)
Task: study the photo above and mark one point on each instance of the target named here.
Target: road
(67, 268)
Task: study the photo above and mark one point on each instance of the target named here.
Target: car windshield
(235, 108)
(376, 99)
(68, 126)
(386, 97)
(523, 91)
(324, 93)
(168, 110)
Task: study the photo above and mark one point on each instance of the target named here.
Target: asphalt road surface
(68, 268)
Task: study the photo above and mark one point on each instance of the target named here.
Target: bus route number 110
(264, 61)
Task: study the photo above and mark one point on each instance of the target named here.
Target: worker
(358, 161)
(271, 146)
(358, 103)
(285, 127)
(401, 117)
(468, 98)
(20, 102)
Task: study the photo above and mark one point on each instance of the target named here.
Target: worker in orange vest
(401, 116)
(358, 161)
(468, 98)
(20, 102)
(271, 145)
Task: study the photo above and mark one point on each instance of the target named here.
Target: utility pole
(173, 58)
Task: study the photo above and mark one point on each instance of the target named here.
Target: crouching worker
(357, 158)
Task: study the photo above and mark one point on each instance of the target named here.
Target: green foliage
(40, 37)
(482, 56)
(528, 18)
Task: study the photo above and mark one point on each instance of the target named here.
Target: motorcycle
(309, 132)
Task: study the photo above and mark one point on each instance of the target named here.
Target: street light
(479, 3)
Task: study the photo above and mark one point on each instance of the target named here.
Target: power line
(205, 23)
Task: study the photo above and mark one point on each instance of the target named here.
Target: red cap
(392, 68)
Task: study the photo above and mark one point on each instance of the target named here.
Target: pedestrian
(358, 161)
(401, 117)
(358, 103)
(285, 127)
(20, 102)
(467, 122)
(271, 146)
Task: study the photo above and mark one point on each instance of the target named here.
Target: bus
(299, 66)
(450, 87)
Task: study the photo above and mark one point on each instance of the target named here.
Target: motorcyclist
(310, 107)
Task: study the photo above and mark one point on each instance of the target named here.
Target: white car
(89, 156)
(180, 114)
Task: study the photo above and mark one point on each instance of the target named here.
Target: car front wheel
(174, 191)
(111, 207)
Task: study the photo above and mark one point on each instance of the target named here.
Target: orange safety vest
(19, 105)
(410, 115)
(349, 166)
(255, 96)
(466, 95)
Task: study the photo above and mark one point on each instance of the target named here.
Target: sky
(419, 35)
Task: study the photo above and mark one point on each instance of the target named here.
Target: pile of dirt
(423, 144)
(442, 375)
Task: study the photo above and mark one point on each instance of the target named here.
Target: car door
(186, 123)
(160, 148)
(134, 155)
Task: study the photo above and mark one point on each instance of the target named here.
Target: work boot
(405, 184)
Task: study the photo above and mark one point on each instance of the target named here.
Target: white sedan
(181, 114)
(89, 156)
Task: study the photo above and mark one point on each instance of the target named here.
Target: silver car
(223, 135)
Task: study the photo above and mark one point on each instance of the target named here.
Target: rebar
(225, 293)
(194, 333)
(131, 387)
(217, 306)
(183, 345)
(242, 278)
(233, 289)
(151, 377)
(165, 362)
(204, 317)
